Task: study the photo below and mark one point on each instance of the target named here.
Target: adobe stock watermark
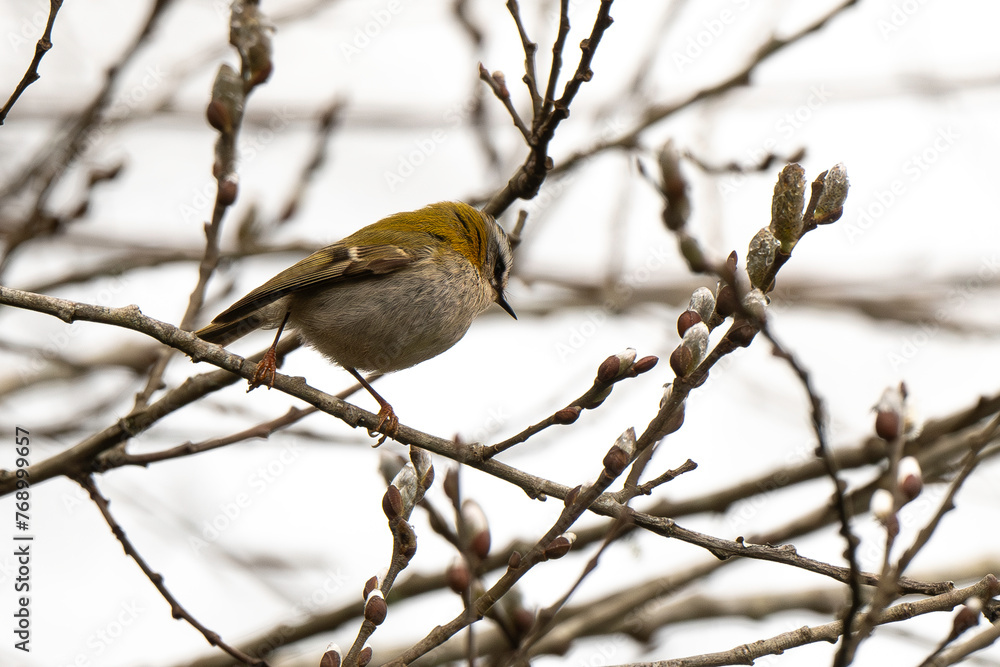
(423, 148)
(909, 347)
(554, 188)
(785, 127)
(900, 13)
(29, 30)
(102, 638)
(57, 342)
(624, 288)
(604, 653)
(711, 30)
(496, 419)
(364, 34)
(119, 110)
(742, 513)
(321, 597)
(911, 171)
(229, 512)
(249, 145)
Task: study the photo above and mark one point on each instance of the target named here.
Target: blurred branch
(116, 459)
(249, 33)
(818, 421)
(656, 113)
(886, 590)
(831, 632)
(51, 164)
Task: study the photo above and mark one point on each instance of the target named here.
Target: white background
(903, 93)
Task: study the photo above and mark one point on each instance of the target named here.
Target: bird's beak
(502, 302)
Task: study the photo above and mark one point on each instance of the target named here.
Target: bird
(387, 297)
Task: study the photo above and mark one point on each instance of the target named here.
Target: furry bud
(760, 257)
(830, 206)
(786, 208)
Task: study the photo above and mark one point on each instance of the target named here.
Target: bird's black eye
(499, 270)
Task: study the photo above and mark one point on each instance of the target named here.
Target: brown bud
(407, 540)
(451, 484)
(480, 544)
(567, 415)
(523, 620)
(559, 546)
(686, 320)
(392, 503)
(888, 424)
(376, 608)
(726, 302)
(218, 116)
(609, 369)
(645, 364)
(892, 525)
(572, 495)
(370, 585)
(731, 262)
(514, 561)
(364, 656)
(967, 617)
(475, 528)
(680, 360)
(910, 486)
(910, 481)
(741, 333)
(458, 577)
(261, 74)
(331, 658)
(228, 189)
(674, 188)
(615, 461)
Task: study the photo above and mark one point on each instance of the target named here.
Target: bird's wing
(328, 266)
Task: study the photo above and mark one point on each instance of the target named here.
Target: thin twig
(503, 94)
(530, 48)
(886, 591)
(47, 168)
(630, 138)
(116, 459)
(818, 421)
(176, 609)
(556, 66)
(746, 654)
(545, 617)
(31, 75)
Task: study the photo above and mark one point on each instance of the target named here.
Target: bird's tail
(224, 333)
